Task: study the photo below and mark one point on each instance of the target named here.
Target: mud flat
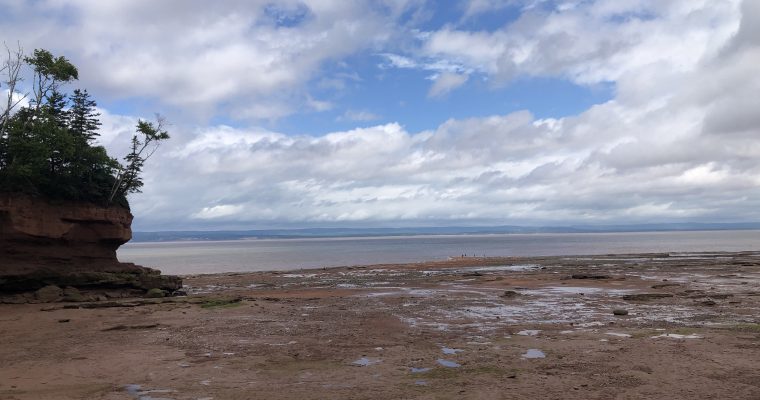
(654, 326)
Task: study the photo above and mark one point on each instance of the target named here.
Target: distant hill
(171, 236)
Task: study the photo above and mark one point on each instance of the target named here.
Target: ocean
(196, 257)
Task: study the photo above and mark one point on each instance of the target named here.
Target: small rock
(48, 294)
(709, 302)
(619, 311)
(64, 320)
(510, 294)
(129, 327)
(68, 290)
(113, 294)
(74, 298)
(590, 276)
(72, 294)
(646, 296)
(155, 293)
(15, 299)
(664, 285)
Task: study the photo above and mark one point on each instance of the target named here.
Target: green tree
(49, 74)
(49, 149)
(83, 116)
(144, 144)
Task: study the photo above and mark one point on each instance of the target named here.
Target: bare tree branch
(12, 69)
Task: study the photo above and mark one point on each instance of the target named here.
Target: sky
(331, 113)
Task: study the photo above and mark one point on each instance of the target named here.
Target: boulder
(155, 293)
(48, 294)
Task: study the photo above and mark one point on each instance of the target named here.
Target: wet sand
(491, 328)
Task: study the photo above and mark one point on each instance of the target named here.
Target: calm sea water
(288, 254)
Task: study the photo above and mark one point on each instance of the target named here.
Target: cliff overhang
(68, 244)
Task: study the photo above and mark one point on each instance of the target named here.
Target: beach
(656, 326)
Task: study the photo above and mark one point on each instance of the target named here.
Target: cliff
(68, 244)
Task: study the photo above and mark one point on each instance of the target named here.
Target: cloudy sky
(303, 113)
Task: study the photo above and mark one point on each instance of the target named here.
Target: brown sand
(305, 334)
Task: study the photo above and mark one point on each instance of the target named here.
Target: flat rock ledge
(70, 246)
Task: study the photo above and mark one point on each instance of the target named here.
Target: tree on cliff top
(48, 148)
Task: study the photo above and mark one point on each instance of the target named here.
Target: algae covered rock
(48, 294)
(155, 293)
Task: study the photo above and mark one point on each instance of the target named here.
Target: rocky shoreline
(619, 326)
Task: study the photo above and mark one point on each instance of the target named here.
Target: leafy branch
(144, 144)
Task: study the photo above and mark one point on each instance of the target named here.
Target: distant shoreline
(188, 257)
(368, 233)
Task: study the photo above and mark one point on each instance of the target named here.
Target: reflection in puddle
(132, 389)
(137, 392)
(677, 336)
(447, 350)
(496, 268)
(534, 353)
(447, 363)
(364, 361)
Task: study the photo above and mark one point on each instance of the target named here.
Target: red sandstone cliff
(68, 244)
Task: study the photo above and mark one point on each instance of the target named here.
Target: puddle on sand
(421, 383)
(132, 389)
(447, 363)
(677, 336)
(623, 335)
(420, 370)
(448, 350)
(364, 361)
(529, 332)
(137, 392)
(534, 353)
(497, 268)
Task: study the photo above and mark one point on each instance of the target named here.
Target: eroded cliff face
(68, 244)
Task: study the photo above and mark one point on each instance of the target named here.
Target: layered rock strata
(68, 245)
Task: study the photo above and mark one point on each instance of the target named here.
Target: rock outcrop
(68, 245)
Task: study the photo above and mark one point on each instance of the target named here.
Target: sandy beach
(687, 327)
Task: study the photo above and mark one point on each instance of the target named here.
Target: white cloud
(247, 59)
(677, 141)
(445, 83)
(477, 7)
(319, 105)
(17, 100)
(224, 210)
(358, 115)
(434, 65)
(590, 42)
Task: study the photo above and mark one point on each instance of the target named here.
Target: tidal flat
(656, 326)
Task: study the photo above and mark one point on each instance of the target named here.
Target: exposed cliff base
(68, 245)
